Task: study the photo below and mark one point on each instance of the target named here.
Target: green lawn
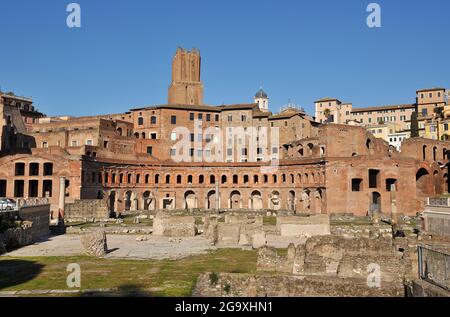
(150, 278)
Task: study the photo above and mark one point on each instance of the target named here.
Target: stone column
(62, 196)
(394, 205)
(217, 196)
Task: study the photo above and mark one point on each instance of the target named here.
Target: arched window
(157, 179)
(224, 179)
(235, 179)
(212, 179)
(255, 179)
(179, 179)
(167, 179)
(275, 179)
(201, 179)
(246, 180)
(190, 178)
(147, 179)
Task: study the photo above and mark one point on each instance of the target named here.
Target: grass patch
(151, 278)
(270, 221)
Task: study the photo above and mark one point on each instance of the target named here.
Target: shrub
(213, 278)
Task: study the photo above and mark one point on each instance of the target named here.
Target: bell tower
(186, 87)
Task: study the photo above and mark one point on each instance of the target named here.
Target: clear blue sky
(299, 50)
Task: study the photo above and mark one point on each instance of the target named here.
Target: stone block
(293, 226)
(259, 240)
(228, 234)
(174, 226)
(94, 243)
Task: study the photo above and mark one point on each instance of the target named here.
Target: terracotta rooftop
(327, 99)
(239, 106)
(181, 107)
(379, 108)
(430, 89)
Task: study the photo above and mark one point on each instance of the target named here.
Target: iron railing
(434, 267)
(438, 202)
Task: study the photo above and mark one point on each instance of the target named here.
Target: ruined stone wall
(340, 257)
(39, 216)
(248, 285)
(292, 226)
(168, 225)
(82, 210)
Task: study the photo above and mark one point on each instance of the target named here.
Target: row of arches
(434, 154)
(307, 200)
(116, 178)
(431, 183)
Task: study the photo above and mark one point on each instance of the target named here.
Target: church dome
(261, 94)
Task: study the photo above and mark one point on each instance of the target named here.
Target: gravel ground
(120, 246)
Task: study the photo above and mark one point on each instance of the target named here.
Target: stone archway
(190, 200)
(211, 200)
(128, 199)
(148, 201)
(318, 201)
(275, 201)
(235, 200)
(375, 203)
(437, 180)
(112, 202)
(291, 201)
(256, 201)
(423, 183)
(306, 201)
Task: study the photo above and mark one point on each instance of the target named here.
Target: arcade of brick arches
(126, 158)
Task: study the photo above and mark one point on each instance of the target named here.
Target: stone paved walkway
(120, 246)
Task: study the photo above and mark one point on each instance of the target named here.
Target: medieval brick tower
(186, 87)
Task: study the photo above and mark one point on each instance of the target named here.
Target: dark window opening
(3, 186)
(356, 184)
(20, 169)
(390, 182)
(374, 178)
(47, 188)
(33, 188)
(34, 170)
(18, 188)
